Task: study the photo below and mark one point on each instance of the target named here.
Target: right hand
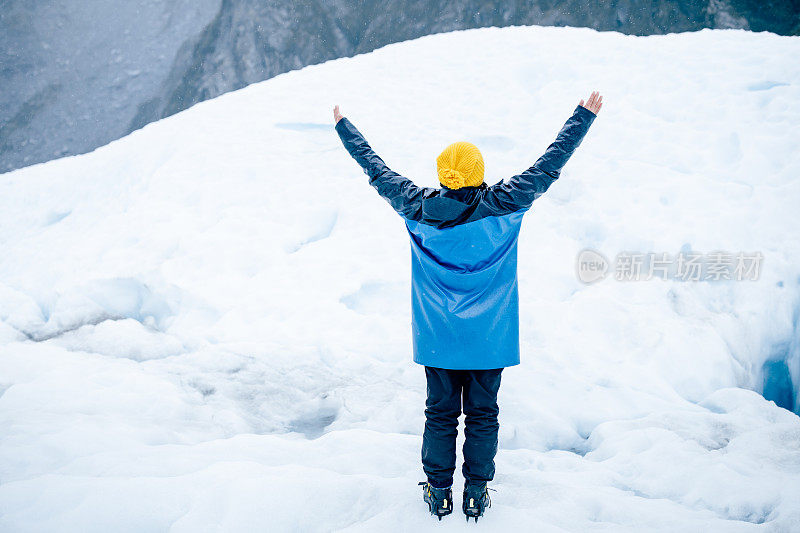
(594, 104)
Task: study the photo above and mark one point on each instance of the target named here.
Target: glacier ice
(205, 325)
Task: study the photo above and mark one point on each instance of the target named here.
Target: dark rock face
(72, 72)
(177, 53)
(246, 42)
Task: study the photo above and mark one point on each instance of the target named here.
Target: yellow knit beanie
(460, 165)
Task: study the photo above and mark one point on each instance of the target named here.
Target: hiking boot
(440, 501)
(476, 500)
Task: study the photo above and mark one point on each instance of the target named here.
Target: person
(465, 317)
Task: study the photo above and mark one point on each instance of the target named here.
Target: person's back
(465, 316)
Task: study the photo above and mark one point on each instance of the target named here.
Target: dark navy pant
(446, 389)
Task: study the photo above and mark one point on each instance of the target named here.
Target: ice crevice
(780, 373)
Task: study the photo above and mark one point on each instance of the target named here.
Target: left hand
(337, 116)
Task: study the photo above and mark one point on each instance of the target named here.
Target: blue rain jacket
(465, 303)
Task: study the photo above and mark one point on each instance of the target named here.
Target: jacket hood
(451, 207)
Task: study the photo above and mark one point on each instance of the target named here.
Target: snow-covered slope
(205, 325)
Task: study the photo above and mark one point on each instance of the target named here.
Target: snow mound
(205, 325)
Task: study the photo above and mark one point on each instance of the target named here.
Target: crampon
(440, 501)
(476, 500)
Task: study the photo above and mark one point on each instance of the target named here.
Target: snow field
(206, 325)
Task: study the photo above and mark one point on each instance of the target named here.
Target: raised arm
(401, 193)
(521, 190)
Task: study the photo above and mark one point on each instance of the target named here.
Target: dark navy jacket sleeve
(521, 190)
(401, 193)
